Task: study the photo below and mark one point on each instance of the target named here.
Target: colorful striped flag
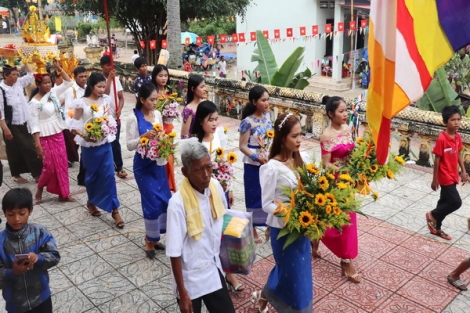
(408, 41)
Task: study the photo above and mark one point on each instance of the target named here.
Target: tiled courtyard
(404, 268)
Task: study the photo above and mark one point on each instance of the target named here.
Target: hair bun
(325, 99)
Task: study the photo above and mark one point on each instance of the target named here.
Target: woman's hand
(150, 134)
(39, 152)
(262, 161)
(231, 200)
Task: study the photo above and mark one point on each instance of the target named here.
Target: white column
(338, 43)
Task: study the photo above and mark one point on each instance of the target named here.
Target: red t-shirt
(448, 149)
(106, 53)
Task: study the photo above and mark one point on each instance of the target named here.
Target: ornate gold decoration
(37, 59)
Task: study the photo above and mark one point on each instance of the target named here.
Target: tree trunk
(174, 34)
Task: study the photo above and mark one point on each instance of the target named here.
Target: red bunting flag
(352, 25)
(153, 44)
(289, 32)
(277, 34)
(363, 23)
(198, 41)
(187, 41)
(315, 30)
(253, 36)
(303, 31)
(223, 38)
(142, 44)
(341, 26)
(241, 37)
(266, 34)
(234, 38)
(327, 28)
(164, 44)
(210, 40)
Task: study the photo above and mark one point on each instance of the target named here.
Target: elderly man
(194, 229)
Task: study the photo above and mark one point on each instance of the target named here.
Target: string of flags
(276, 35)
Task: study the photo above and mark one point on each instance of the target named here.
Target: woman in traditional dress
(290, 283)
(47, 120)
(336, 144)
(97, 155)
(150, 177)
(256, 121)
(208, 131)
(196, 93)
(160, 77)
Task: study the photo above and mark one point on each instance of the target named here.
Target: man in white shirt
(195, 263)
(110, 75)
(21, 151)
(222, 67)
(75, 92)
(135, 56)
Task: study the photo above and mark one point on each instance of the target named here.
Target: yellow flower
(225, 129)
(144, 141)
(374, 168)
(157, 127)
(328, 209)
(161, 98)
(331, 198)
(105, 118)
(305, 219)
(359, 140)
(179, 99)
(336, 210)
(231, 157)
(174, 94)
(98, 120)
(375, 195)
(270, 133)
(94, 107)
(345, 177)
(400, 160)
(320, 199)
(330, 176)
(219, 152)
(312, 168)
(32, 8)
(323, 182)
(171, 97)
(341, 185)
(89, 126)
(172, 134)
(390, 174)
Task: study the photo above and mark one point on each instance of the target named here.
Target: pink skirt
(55, 171)
(343, 244)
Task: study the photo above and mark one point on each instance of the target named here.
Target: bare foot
(256, 236)
(38, 196)
(19, 180)
(68, 199)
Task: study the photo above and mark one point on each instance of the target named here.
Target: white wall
(280, 14)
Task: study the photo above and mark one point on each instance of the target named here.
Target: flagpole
(351, 58)
(116, 100)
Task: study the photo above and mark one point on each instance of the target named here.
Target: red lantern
(187, 41)
(241, 37)
(142, 44)
(341, 26)
(210, 40)
(164, 44)
(352, 25)
(277, 34)
(315, 30)
(234, 38)
(253, 36)
(303, 31)
(363, 23)
(153, 44)
(223, 38)
(266, 34)
(198, 41)
(327, 28)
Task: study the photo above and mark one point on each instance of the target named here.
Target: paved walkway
(104, 269)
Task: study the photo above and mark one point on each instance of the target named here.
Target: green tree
(213, 26)
(146, 18)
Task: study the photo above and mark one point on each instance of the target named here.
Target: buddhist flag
(408, 41)
(58, 23)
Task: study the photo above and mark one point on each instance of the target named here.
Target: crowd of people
(43, 137)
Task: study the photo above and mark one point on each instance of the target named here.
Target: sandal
(442, 234)
(431, 224)
(231, 287)
(354, 278)
(457, 283)
(256, 298)
(19, 180)
(119, 224)
(93, 209)
(159, 246)
(121, 174)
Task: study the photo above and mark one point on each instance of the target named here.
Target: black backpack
(8, 109)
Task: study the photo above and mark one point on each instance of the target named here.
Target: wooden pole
(351, 54)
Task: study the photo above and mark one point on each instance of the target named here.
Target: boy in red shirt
(446, 172)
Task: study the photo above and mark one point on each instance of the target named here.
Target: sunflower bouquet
(321, 200)
(364, 167)
(222, 168)
(265, 144)
(158, 148)
(99, 125)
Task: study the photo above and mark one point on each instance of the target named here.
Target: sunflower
(375, 195)
(323, 182)
(105, 118)
(328, 209)
(144, 141)
(161, 98)
(336, 210)
(219, 152)
(360, 140)
(305, 219)
(157, 127)
(374, 168)
(320, 199)
(94, 107)
(345, 177)
(172, 134)
(89, 126)
(179, 99)
(390, 174)
(400, 160)
(341, 185)
(225, 129)
(174, 94)
(312, 168)
(171, 97)
(270, 133)
(231, 157)
(98, 120)
(330, 176)
(331, 198)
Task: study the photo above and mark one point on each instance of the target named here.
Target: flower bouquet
(321, 200)
(222, 168)
(99, 125)
(159, 148)
(265, 144)
(364, 167)
(168, 106)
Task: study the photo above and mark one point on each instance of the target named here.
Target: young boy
(27, 251)
(446, 172)
(143, 77)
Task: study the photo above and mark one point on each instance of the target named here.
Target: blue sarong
(253, 194)
(290, 283)
(99, 177)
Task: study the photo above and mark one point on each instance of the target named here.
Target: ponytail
(248, 110)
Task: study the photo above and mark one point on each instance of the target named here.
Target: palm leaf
(264, 55)
(286, 73)
(439, 93)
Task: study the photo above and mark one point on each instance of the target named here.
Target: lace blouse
(340, 147)
(187, 112)
(46, 115)
(257, 129)
(132, 129)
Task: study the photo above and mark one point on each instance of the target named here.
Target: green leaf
(291, 238)
(264, 55)
(439, 93)
(284, 231)
(286, 73)
(301, 84)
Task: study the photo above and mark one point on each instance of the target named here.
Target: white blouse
(45, 118)
(132, 129)
(16, 98)
(103, 104)
(219, 140)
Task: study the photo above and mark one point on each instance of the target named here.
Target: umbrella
(192, 37)
(4, 11)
